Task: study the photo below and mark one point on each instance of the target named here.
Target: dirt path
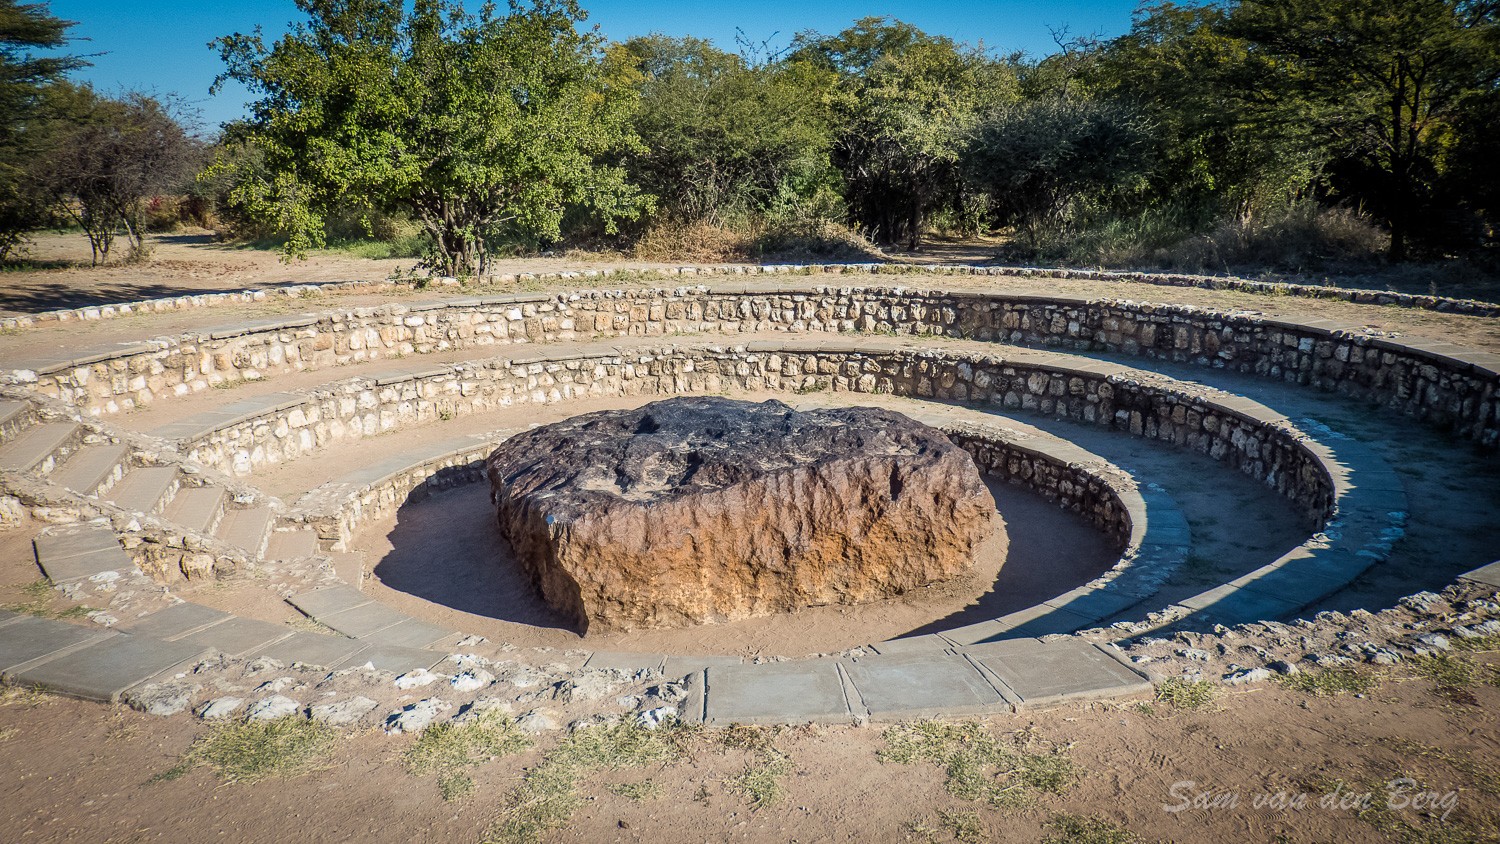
(84, 772)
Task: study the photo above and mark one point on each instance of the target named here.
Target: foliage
(1049, 164)
(1386, 80)
(109, 157)
(1075, 829)
(722, 137)
(25, 78)
(904, 103)
(1186, 694)
(480, 126)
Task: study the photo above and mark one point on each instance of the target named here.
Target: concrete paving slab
(248, 528)
(363, 621)
(409, 633)
(973, 634)
(1041, 620)
(927, 643)
(682, 666)
(237, 636)
(34, 445)
(87, 468)
(73, 541)
(329, 600)
(196, 507)
(1093, 603)
(27, 639)
(143, 488)
(13, 415)
(1488, 575)
(777, 693)
(1230, 605)
(629, 663)
(1048, 673)
(310, 649)
(390, 658)
(921, 686)
(78, 567)
(292, 544)
(175, 620)
(102, 670)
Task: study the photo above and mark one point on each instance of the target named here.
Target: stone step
(292, 544)
(90, 468)
(37, 448)
(145, 489)
(14, 416)
(248, 528)
(198, 508)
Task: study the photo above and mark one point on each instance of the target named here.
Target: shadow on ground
(447, 549)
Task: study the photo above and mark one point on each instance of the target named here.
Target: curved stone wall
(1444, 385)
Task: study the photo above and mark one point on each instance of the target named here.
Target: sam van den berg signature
(1399, 794)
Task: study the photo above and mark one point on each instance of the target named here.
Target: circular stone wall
(696, 510)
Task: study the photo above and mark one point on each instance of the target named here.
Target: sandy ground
(83, 772)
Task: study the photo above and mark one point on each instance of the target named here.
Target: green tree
(905, 105)
(1206, 94)
(1387, 80)
(722, 137)
(24, 80)
(106, 158)
(480, 126)
(1048, 164)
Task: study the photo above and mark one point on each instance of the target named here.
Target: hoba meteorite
(694, 510)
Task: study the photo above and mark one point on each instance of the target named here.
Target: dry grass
(979, 766)
(257, 750)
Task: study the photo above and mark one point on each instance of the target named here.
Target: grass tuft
(548, 795)
(1180, 693)
(979, 766)
(1330, 682)
(449, 747)
(762, 781)
(637, 792)
(257, 750)
(1075, 829)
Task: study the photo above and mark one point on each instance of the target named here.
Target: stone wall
(1246, 436)
(1444, 385)
(1274, 288)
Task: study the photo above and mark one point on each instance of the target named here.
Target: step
(196, 507)
(145, 489)
(90, 467)
(248, 528)
(37, 446)
(292, 544)
(13, 418)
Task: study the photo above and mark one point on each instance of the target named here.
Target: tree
(721, 137)
(107, 157)
(905, 105)
(1206, 93)
(24, 80)
(1389, 80)
(478, 125)
(1047, 163)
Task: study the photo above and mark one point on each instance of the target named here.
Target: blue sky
(161, 45)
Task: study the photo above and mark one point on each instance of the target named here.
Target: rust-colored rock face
(697, 510)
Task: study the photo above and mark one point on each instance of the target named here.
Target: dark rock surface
(694, 510)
